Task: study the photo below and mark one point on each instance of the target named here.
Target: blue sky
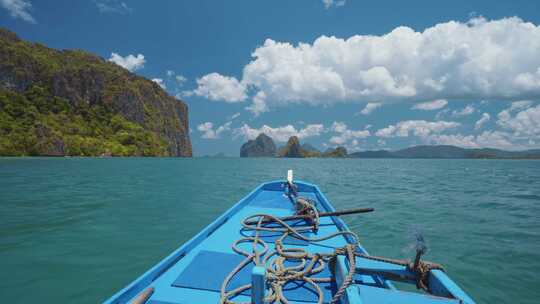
(362, 74)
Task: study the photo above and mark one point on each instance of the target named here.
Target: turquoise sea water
(76, 230)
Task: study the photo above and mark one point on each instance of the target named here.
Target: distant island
(264, 146)
(70, 102)
(447, 151)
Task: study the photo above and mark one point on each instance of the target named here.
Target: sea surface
(76, 230)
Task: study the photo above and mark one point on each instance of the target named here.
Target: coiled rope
(278, 274)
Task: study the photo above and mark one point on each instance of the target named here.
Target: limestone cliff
(292, 148)
(70, 102)
(262, 146)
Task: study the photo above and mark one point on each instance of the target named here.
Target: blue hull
(195, 271)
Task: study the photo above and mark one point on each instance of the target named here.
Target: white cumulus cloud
(525, 123)
(258, 105)
(479, 123)
(279, 134)
(459, 140)
(19, 9)
(478, 59)
(467, 110)
(160, 82)
(528, 81)
(208, 131)
(329, 3)
(419, 128)
(506, 114)
(520, 129)
(180, 79)
(370, 107)
(430, 105)
(129, 62)
(487, 139)
(521, 104)
(344, 134)
(113, 6)
(234, 116)
(217, 87)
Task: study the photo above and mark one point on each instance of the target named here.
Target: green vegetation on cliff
(70, 102)
(338, 152)
(38, 124)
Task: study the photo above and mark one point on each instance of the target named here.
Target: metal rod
(322, 214)
(417, 258)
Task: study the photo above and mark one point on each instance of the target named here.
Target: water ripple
(114, 218)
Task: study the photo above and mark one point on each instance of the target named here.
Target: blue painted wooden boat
(319, 270)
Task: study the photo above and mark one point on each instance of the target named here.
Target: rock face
(338, 152)
(262, 146)
(292, 148)
(309, 148)
(310, 151)
(82, 104)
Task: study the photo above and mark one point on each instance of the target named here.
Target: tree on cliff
(70, 102)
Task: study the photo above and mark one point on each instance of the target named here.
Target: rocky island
(292, 149)
(264, 146)
(70, 102)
